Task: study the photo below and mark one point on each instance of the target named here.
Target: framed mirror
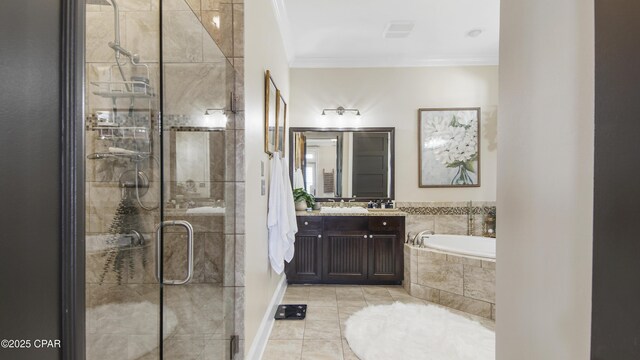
(343, 163)
(281, 116)
(270, 112)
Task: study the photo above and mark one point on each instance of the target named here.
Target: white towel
(281, 219)
(291, 211)
(298, 179)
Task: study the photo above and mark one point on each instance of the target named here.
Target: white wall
(545, 180)
(391, 97)
(263, 51)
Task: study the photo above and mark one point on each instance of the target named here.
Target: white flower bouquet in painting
(449, 147)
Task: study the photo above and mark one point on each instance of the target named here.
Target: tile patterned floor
(321, 334)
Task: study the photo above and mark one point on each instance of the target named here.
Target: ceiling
(349, 33)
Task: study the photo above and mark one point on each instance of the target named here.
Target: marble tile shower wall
(203, 60)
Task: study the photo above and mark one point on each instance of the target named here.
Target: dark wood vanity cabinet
(348, 250)
(306, 265)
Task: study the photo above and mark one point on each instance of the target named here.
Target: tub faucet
(418, 240)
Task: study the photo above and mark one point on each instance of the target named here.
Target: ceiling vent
(398, 29)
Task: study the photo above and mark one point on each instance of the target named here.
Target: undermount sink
(344, 210)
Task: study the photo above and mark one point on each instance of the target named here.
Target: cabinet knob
(319, 236)
(384, 223)
(306, 223)
(365, 236)
(370, 236)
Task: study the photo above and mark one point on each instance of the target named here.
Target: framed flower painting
(449, 141)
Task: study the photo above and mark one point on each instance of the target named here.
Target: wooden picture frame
(281, 123)
(270, 114)
(449, 147)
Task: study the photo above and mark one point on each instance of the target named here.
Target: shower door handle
(159, 249)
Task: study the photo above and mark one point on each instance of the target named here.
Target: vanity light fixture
(341, 110)
(215, 118)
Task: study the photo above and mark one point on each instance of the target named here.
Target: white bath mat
(420, 332)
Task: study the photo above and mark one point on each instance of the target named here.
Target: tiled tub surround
(463, 283)
(446, 217)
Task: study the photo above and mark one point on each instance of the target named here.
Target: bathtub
(478, 246)
(454, 271)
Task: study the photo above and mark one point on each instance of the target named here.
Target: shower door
(160, 160)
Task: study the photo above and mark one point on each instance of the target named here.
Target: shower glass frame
(137, 305)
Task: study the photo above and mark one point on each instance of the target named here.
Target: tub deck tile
(489, 264)
(425, 293)
(440, 274)
(464, 260)
(468, 305)
(479, 283)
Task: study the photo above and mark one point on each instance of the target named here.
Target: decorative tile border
(445, 210)
(427, 208)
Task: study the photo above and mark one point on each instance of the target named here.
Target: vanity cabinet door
(345, 257)
(306, 265)
(386, 258)
(385, 261)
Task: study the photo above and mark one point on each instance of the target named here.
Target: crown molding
(328, 62)
(285, 28)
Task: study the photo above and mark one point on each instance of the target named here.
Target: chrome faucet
(418, 240)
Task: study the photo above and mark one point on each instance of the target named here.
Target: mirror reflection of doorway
(311, 171)
(370, 164)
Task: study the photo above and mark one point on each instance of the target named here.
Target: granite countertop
(386, 212)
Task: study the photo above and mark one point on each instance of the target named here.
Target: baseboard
(264, 331)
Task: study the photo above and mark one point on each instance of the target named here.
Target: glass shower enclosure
(160, 180)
